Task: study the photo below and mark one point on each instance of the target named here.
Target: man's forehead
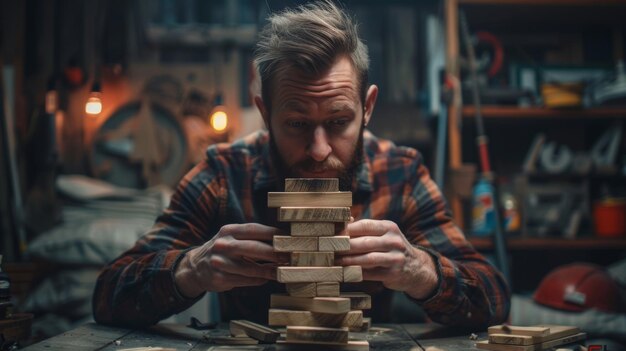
(334, 106)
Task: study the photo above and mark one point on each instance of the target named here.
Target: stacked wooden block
(314, 311)
(535, 338)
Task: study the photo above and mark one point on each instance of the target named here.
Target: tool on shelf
(482, 143)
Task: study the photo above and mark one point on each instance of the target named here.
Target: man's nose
(319, 148)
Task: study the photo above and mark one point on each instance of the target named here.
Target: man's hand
(229, 260)
(387, 256)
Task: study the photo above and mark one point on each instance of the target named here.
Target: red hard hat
(577, 287)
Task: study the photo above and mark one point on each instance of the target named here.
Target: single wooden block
(290, 243)
(297, 333)
(367, 324)
(314, 214)
(309, 274)
(328, 289)
(486, 345)
(311, 184)
(325, 199)
(281, 317)
(334, 243)
(312, 229)
(253, 330)
(316, 304)
(358, 300)
(301, 289)
(352, 274)
(313, 259)
(351, 345)
(556, 331)
(516, 330)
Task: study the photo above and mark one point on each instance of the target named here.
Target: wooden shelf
(553, 243)
(510, 112)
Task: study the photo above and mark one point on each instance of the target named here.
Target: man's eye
(338, 122)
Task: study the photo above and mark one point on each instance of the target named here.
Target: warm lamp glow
(219, 120)
(93, 105)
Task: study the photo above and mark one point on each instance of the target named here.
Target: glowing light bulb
(93, 105)
(219, 120)
(94, 102)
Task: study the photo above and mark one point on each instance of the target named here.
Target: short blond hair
(309, 38)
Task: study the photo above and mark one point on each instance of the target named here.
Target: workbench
(388, 337)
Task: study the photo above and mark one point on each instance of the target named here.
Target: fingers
(223, 281)
(385, 243)
(376, 274)
(250, 231)
(255, 250)
(369, 227)
(243, 268)
(373, 259)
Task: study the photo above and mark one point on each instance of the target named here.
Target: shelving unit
(503, 122)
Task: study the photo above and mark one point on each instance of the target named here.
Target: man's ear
(258, 101)
(370, 101)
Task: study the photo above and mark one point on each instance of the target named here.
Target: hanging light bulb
(52, 97)
(94, 102)
(219, 117)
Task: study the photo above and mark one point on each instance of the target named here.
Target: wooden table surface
(388, 337)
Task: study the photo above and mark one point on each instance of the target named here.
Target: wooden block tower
(314, 311)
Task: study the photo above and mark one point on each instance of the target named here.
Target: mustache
(332, 163)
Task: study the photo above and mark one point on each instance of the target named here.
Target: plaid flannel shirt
(231, 186)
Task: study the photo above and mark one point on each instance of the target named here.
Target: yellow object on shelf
(562, 95)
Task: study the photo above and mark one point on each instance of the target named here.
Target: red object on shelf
(578, 287)
(609, 217)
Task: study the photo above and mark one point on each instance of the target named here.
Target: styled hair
(309, 39)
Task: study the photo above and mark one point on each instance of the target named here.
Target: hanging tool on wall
(488, 195)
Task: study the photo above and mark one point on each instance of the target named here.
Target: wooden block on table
(316, 304)
(556, 331)
(309, 274)
(517, 330)
(253, 330)
(312, 199)
(367, 324)
(328, 289)
(290, 243)
(313, 229)
(358, 300)
(302, 289)
(313, 259)
(311, 184)
(486, 345)
(314, 214)
(297, 333)
(352, 274)
(281, 317)
(334, 243)
(351, 345)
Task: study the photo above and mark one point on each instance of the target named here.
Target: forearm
(137, 291)
(471, 293)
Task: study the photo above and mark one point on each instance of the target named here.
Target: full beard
(346, 174)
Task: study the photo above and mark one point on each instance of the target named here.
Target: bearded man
(217, 232)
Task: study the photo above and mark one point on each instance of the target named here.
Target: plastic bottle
(510, 211)
(483, 211)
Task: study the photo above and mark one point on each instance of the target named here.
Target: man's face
(316, 123)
